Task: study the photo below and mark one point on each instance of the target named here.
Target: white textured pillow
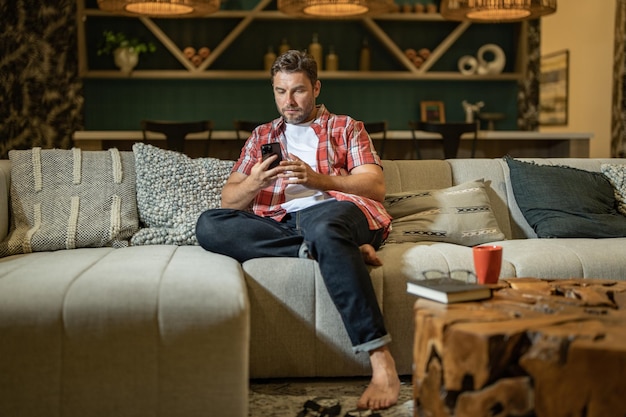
(461, 214)
(617, 177)
(172, 191)
(66, 199)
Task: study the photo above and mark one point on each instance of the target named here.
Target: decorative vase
(125, 59)
(283, 47)
(493, 65)
(269, 58)
(315, 49)
(364, 57)
(467, 65)
(332, 60)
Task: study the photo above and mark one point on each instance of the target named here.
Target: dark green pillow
(559, 201)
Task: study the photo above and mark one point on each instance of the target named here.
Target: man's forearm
(365, 185)
(238, 195)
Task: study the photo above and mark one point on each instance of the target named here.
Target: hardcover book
(448, 290)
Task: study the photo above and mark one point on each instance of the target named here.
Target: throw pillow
(617, 177)
(461, 214)
(65, 199)
(560, 201)
(172, 191)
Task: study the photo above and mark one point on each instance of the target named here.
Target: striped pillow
(66, 199)
(460, 214)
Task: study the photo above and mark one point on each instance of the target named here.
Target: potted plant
(125, 50)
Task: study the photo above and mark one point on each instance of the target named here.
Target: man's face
(295, 96)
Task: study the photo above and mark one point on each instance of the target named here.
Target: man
(323, 201)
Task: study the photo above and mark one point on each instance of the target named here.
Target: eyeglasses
(457, 274)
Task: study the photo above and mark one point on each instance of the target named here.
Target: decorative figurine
(471, 110)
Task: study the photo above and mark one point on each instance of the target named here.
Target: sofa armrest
(5, 184)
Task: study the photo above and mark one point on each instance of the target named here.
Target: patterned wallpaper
(40, 93)
(528, 97)
(618, 107)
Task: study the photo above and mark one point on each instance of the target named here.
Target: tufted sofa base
(138, 331)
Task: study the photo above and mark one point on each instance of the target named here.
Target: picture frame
(432, 111)
(553, 89)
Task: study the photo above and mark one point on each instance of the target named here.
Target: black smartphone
(269, 149)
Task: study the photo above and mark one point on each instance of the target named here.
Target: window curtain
(41, 96)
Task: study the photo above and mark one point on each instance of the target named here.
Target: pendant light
(491, 11)
(160, 8)
(335, 8)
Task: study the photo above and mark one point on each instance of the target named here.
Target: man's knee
(208, 225)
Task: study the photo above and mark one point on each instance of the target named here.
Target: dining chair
(378, 128)
(176, 132)
(244, 126)
(450, 134)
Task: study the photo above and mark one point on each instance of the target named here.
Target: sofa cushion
(460, 214)
(66, 199)
(617, 177)
(566, 258)
(172, 191)
(560, 201)
(137, 331)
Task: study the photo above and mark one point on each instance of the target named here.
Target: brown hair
(296, 61)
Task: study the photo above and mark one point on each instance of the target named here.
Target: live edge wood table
(536, 348)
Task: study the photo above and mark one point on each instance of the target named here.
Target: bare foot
(369, 255)
(384, 388)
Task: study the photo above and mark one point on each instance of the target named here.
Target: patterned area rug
(285, 398)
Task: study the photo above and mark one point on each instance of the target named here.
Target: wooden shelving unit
(259, 12)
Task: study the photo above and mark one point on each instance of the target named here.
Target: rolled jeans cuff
(372, 344)
(303, 252)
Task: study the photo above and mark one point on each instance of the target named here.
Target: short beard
(304, 116)
(293, 121)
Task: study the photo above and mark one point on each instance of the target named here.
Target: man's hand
(296, 171)
(262, 176)
(365, 180)
(240, 189)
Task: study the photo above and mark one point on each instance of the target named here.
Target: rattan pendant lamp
(160, 8)
(489, 11)
(336, 9)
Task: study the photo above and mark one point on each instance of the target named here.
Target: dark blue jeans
(330, 233)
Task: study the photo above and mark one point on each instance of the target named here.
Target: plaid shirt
(343, 144)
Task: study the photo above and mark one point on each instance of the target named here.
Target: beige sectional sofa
(168, 330)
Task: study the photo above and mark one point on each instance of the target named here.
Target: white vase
(493, 66)
(125, 59)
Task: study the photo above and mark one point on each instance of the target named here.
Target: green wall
(119, 104)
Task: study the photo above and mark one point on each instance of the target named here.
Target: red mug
(487, 263)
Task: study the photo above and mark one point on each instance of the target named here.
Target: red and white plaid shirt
(343, 144)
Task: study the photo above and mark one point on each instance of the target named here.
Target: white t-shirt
(302, 142)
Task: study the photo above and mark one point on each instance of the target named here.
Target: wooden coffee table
(537, 348)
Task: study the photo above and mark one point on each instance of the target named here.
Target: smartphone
(269, 149)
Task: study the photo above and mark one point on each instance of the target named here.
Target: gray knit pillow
(66, 199)
(172, 191)
(617, 177)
